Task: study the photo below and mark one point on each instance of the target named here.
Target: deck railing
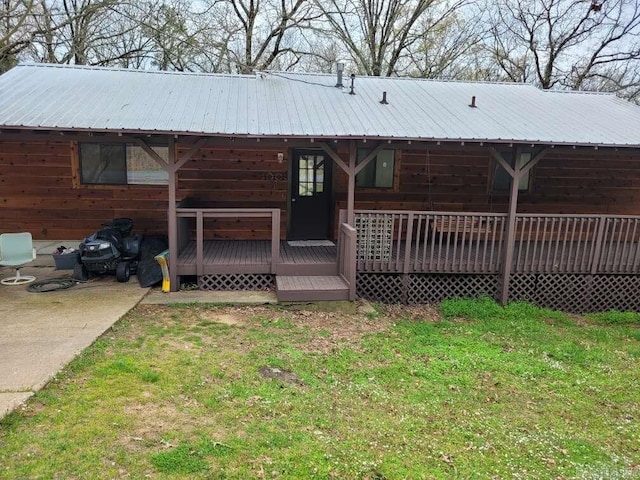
(199, 214)
(347, 256)
(447, 242)
(438, 242)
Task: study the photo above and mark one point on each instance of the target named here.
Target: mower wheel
(123, 272)
(80, 272)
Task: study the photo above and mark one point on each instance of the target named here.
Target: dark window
(502, 179)
(379, 172)
(120, 164)
(310, 175)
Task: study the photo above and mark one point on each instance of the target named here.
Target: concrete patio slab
(41, 332)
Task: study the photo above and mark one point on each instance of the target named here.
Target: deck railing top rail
(427, 212)
(407, 241)
(201, 213)
(187, 212)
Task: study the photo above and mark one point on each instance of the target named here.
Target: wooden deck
(254, 256)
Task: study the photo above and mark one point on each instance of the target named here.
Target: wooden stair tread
(311, 288)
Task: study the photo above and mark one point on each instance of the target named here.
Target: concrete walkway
(41, 332)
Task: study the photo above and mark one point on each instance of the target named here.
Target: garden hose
(52, 285)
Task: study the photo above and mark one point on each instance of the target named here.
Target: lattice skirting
(380, 287)
(230, 282)
(568, 292)
(577, 293)
(433, 288)
(423, 288)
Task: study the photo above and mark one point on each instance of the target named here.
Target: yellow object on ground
(161, 258)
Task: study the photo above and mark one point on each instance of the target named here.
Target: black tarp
(149, 272)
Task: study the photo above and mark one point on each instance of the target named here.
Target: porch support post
(172, 219)
(351, 171)
(351, 195)
(516, 172)
(507, 259)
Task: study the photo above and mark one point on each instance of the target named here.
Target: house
(393, 189)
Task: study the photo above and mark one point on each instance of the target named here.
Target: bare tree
(379, 35)
(445, 48)
(94, 32)
(14, 38)
(562, 43)
(261, 34)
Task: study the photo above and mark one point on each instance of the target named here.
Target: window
(502, 179)
(120, 164)
(310, 175)
(379, 172)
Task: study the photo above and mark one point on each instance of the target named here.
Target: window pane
(524, 181)
(144, 170)
(502, 179)
(384, 169)
(379, 172)
(103, 163)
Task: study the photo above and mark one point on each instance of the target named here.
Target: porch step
(321, 269)
(311, 288)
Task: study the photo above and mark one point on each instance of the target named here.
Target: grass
(479, 392)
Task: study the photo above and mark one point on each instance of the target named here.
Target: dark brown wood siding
(237, 178)
(37, 195)
(580, 181)
(37, 191)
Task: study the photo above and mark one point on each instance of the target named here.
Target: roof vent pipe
(384, 99)
(340, 69)
(473, 102)
(353, 78)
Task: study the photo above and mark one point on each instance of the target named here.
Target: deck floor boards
(477, 257)
(254, 252)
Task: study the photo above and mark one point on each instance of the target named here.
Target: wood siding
(237, 178)
(37, 195)
(37, 191)
(581, 181)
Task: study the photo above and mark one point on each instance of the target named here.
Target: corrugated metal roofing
(308, 105)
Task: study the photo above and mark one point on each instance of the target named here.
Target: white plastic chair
(16, 249)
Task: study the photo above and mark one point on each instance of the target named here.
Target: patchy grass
(471, 391)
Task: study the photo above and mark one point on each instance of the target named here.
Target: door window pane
(310, 175)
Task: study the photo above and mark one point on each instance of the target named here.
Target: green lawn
(469, 390)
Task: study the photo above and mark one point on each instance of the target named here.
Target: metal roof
(267, 104)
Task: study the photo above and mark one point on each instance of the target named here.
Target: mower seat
(16, 249)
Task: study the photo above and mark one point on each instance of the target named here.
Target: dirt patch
(149, 423)
(226, 318)
(415, 313)
(326, 328)
(284, 376)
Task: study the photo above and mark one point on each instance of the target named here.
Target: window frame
(397, 155)
(76, 166)
(495, 166)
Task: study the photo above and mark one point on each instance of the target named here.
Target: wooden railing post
(351, 261)
(408, 242)
(199, 243)
(275, 240)
(597, 251)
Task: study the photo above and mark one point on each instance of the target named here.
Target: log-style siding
(580, 181)
(37, 195)
(237, 178)
(37, 191)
